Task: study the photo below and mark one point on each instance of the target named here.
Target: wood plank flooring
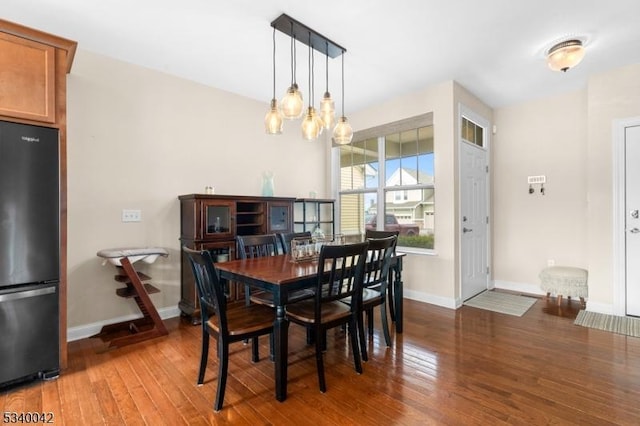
(449, 367)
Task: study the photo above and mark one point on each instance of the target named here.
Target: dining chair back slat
(250, 246)
(375, 287)
(286, 237)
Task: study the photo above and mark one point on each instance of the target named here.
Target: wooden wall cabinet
(212, 222)
(33, 90)
(30, 66)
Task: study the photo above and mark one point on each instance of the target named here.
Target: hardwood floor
(448, 367)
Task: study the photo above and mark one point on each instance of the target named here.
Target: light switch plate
(129, 215)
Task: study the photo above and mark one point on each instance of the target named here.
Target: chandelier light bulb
(292, 103)
(343, 133)
(273, 120)
(311, 125)
(327, 111)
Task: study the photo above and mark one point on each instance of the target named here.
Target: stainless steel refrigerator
(29, 253)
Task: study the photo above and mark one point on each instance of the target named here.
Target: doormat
(504, 303)
(621, 325)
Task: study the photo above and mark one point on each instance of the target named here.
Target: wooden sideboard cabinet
(212, 222)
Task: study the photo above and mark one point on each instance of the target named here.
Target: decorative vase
(267, 184)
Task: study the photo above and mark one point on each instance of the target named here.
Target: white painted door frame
(619, 214)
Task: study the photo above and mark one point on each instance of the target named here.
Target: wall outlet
(131, 215)
(551, 262)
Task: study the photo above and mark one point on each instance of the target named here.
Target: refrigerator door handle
(26, 294)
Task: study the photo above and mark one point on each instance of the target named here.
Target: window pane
(407, 184)
(355, 211)
(393, 154)
(359, 165)
(411, 212)
(426, 171)
(472, 132)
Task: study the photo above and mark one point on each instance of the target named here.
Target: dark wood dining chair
(384, 234)
(340, 276)
(225, 325)
(374, 292)
(250, 246)
(286, 237)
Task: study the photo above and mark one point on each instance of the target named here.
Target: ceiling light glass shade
(342, 133)
(292, 103)
(273, 120)
(311, 125)
(565, 55)
(327, 111)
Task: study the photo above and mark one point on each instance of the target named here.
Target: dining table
(280, 275)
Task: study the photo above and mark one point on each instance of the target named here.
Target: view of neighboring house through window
(388, 172)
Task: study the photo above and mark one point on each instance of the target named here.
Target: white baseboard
(519, 287)
(601, 308)
(88, 330)
(445, 302)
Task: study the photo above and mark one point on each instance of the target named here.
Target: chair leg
(353, 324)
(223, 365)
(272, 351)
(204, 355)
(255, 351)
(370, 321)
(385, 324)
(392, 310)
(319, 361)
(363, 341)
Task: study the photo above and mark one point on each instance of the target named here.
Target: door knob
(465, 230)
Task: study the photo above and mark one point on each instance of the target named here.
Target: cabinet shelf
(312, 213)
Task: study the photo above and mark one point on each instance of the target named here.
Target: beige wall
(138, 139)
(544, 137)
(611, 95)
(433, 278)
(568, 138)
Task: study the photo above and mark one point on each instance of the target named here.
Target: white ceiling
(494, 48)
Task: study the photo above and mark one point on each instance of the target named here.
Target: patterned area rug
(504, 303)
(621, 325)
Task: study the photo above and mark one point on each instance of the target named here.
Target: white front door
(474, 219)
(632, 219)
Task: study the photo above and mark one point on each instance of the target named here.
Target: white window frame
(423, 120)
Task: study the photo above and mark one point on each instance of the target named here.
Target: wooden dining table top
(280, 269)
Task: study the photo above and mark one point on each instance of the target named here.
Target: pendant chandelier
(291, 106)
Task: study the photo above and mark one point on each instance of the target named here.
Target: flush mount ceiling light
(566, 54)
(291, 105)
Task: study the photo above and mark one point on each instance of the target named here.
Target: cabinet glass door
(218, 219)
(279, 217)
